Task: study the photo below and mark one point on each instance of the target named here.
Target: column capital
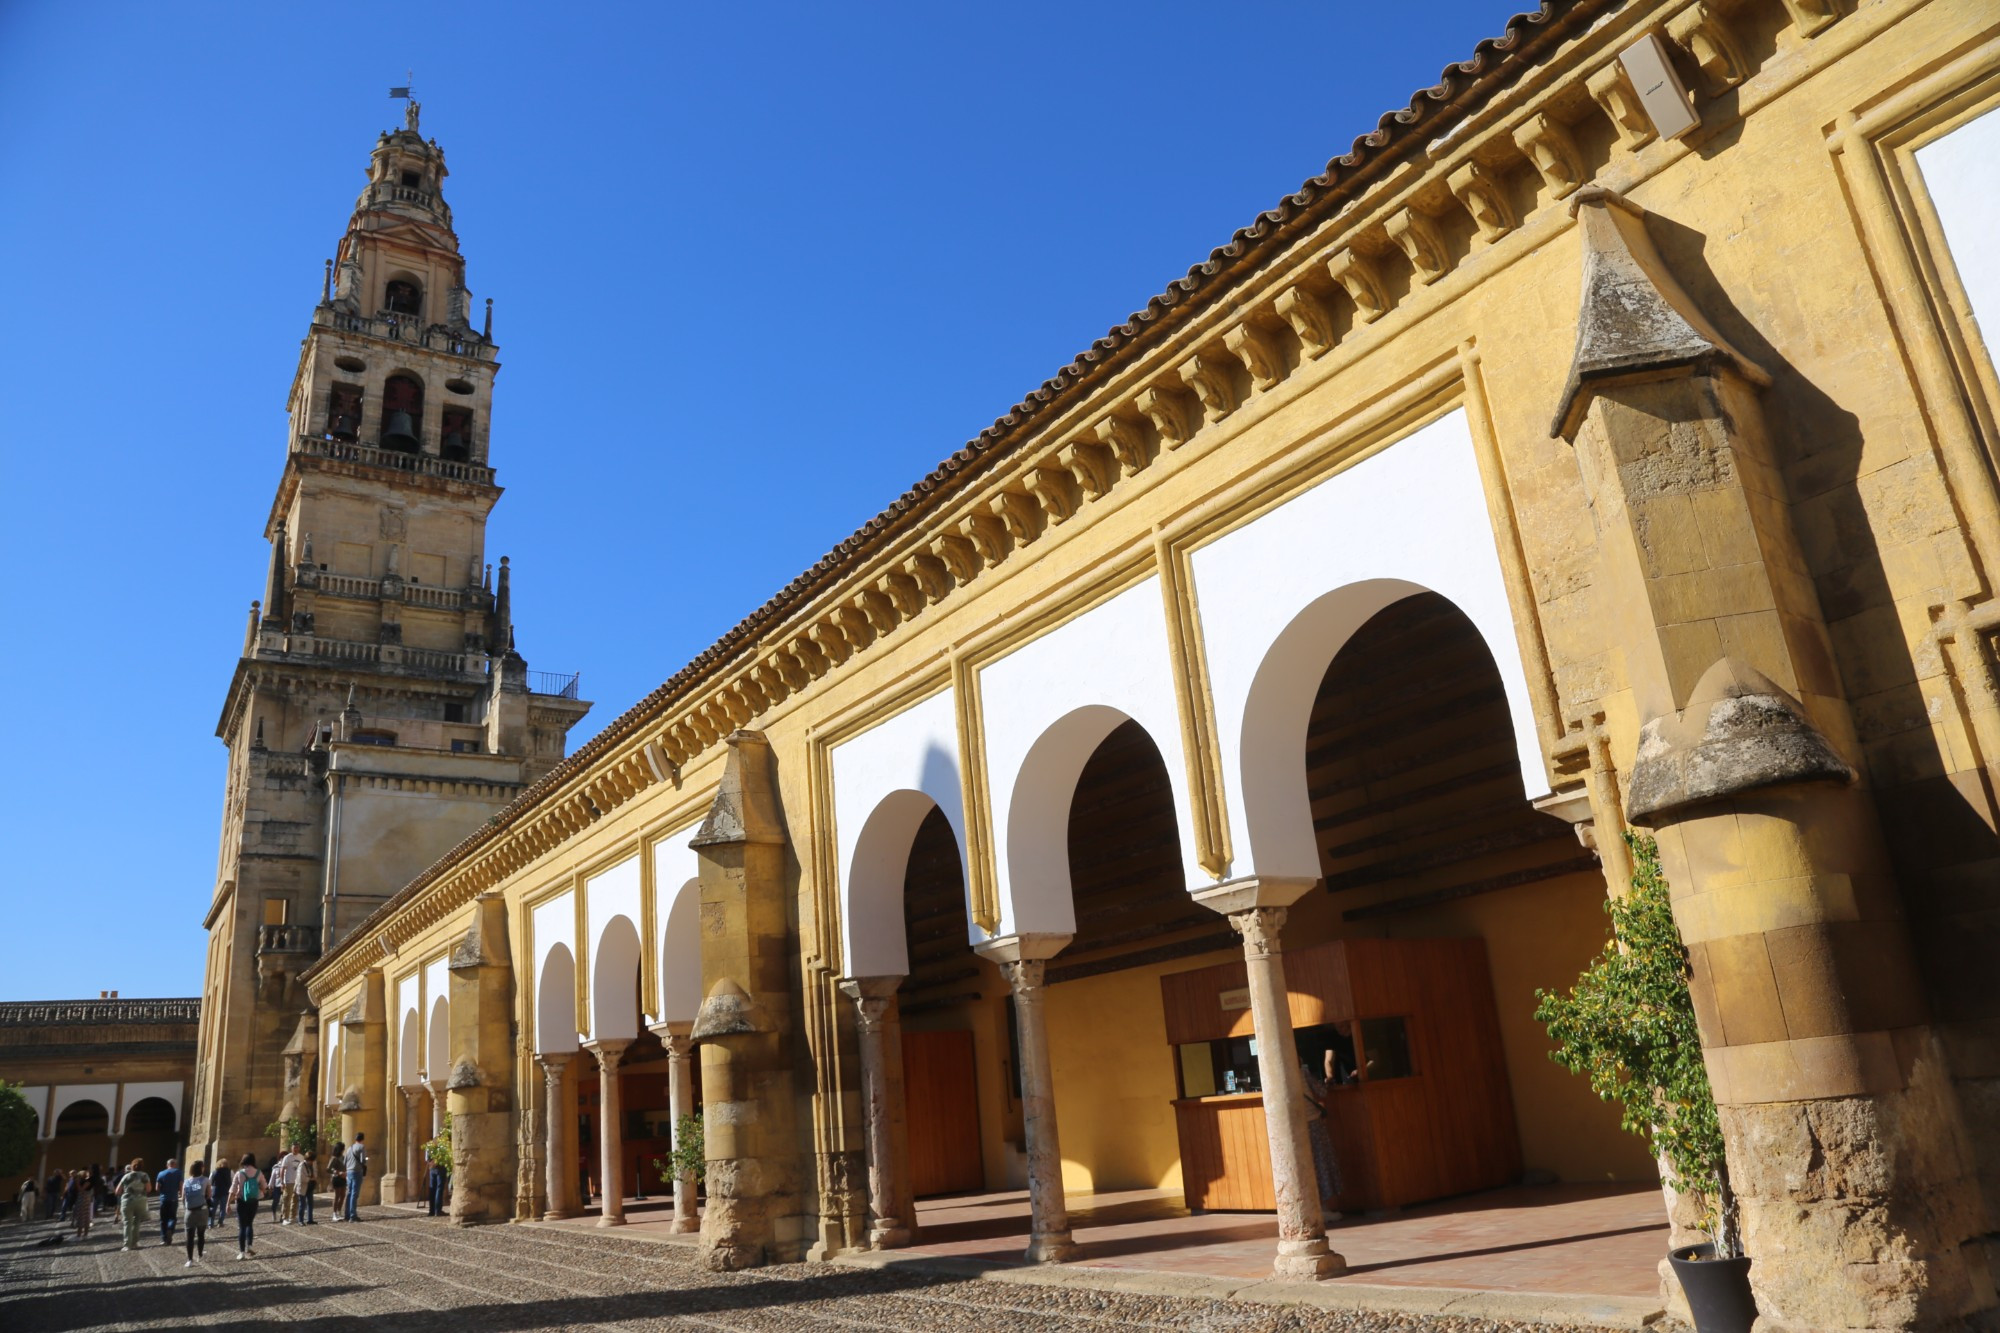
(608, 1050)
(552, 1062)
(1260, 928)
(1239, 895)
(1027, 946)
(676, 1035)
(872, 997)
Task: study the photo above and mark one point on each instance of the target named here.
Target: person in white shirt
(288, 1180)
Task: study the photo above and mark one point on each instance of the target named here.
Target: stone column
(434, 1088)
(413, 1142)
(1847, 1152)
(679, 1041)
(1256, 909)
(1022, 960)
(874, 997)
(610, 1128)
(555, 1161)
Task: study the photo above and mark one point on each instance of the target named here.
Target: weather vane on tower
(413, 108)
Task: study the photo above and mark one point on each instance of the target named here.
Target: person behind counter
(1326, 1167)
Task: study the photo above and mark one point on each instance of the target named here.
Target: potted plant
(1628, 1025)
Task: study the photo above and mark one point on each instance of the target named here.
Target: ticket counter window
(1385, 1049)
(1208, 1068)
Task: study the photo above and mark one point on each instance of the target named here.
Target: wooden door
(943, 1099)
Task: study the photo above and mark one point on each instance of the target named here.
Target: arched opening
(152, 1132)
(402, 413)
(555, 1003)
(1445, 899)
(403, 296)
(343, 412)
(437, 1050)
(82, 1137)
(645, 1117)
(1135, 921)
(409, 1052)
(456, 444)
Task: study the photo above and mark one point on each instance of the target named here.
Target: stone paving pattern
(397, 1272)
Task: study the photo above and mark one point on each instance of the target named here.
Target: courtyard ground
(400, 1272)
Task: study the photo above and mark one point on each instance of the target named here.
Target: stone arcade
(1556, 462)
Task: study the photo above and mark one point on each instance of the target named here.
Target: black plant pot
(1718, 1290)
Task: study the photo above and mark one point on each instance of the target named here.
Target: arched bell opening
(402, 414)
(403, 296)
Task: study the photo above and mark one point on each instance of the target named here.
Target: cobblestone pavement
(397, 1272)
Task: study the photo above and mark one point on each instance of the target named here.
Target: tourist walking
(133, 1187)
(85, 1204)
(357, 1174)
(247, 1190)
(195, 1203)
(336, 1170)
(72, 1187)
(308, 1181)
(439, 1181)
(52, 1193)
(219, 1181)
(168, 1186)
(31, 1195)
(288, 1185)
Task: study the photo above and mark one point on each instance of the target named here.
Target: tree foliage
(302, 1135)
(1628, 1025)
(17, 1130)
(438, 1151)
(689, 1155)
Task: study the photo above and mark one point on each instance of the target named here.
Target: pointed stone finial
(326, 284)
(1634, 318)
(746, 807)
(257, 740)
(488, 334)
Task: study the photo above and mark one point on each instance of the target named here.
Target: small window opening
(373, 736)
(343, 412)
(454, 712)
(403, 297)
(275, 911)
(412, 179)
(466, 747)
(457, 444)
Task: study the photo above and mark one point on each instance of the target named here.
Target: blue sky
(755, 269)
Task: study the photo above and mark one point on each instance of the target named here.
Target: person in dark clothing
(219, 1181)
(440, 1179)
(168, 1185)
(195, 1200)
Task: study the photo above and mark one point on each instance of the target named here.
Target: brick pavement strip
(401, 1273)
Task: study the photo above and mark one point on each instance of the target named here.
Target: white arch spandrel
(437, 1001)
(329, 1046)
(38, 1102)
(886, 781)
(1107, 665)
(1280, 595)
(66, 1096)
(554, 925)
(676, 942)
(170, 1092)
(409, 1028)
(611, 905)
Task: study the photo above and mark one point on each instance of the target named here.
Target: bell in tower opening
(402, 410)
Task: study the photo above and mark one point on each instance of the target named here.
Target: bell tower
(380, 711)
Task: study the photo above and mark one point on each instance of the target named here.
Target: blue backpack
(194, 1194)
(251, 1189)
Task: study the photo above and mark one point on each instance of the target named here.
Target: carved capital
(1309, 318)
(1025, 975)
(1259, 352)
(1260, 928)
(1549, 147)
(1213, 382)
(1362, 283)
(1612, 89)
(1480, 191)
(1172, 415)
(1417, 237)
(1712, 45)
(609, 1052)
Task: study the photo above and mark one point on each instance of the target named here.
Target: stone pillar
(413, 1163)
(679, 1041)
(1022, 960)
(610, 1129)
(1847, 1152)
(1256, 909)
(364, 1080)
(42, 1170)
(874, 998)
(760, 1175)
(112, 1160)
(435, 1108)
(555, 1161)
(479, 1085)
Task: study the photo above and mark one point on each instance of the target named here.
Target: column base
(888, 1234)
(1054, 1248)
(556, 1215)
(609, 1221)
(1307, 1261)
(689, 1226)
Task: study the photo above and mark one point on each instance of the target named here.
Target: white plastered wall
(676, 942)
(38, 1101)
(1280, 595)
(170, 1092)
(1046, 707)
(885, 783)
(1962, 174)
(104, 1094)
(409, 1028)
(329, 1086)
(611, 905)
(437, 1021)
(555, 996)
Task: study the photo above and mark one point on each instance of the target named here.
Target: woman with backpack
(194, 1204)
(247, 1191)
(336, 1171)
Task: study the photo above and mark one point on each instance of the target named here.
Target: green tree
(689, 1156)
(17, 1130)
(1628, 1025)
(438, 1151)
(301, 1134)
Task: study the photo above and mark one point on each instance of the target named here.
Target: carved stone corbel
(1018, 510)
(1055, 489)
(1172, 415)
(958, 555)
(1260, 353)
(988, 535)
(1550, 149)
(1613, 92)
(831, 641)
(933, 580)
(1213, 382)
(902, 592)
(855, 624)
(1362, 283)
(1809, 16)
(879, 611)
(1126, 441)
(1301, 308)
(1092, 466)
(1480, 190)
(1710, 43)
(1417, 237)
